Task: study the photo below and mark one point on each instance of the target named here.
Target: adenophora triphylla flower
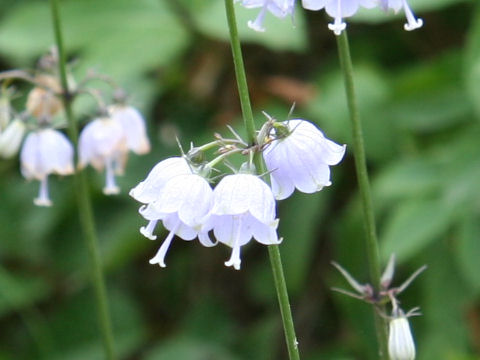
(279, 8)
(300, 158)
(338, 9)
(45, 152)
(133, 126)
(400, 340)
(11, 138)
(412, 22)
(149, 189)
(244, 207)
(102, 144)
(182, 205)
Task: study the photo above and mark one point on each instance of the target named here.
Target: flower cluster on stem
(104, 142)
(241, 207)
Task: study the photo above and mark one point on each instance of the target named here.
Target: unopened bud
(400, 341)
(11, 138)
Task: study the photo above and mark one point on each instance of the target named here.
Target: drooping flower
(182, 205)
(400, 340)
(338, 9)
(11, 138)
(149, 189)
(412, 22)
(279, 8)
(133, 126)
(102, 143)
(300, 158)
(244, 207)
(45, 152)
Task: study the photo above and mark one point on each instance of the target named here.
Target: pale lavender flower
(244, 207)
(148, 190)
(279, 8)
(338, 9)
(183, 205)
(133, 126)
(45, 152)
(400, 340)
(102, 144)
(301, 159)
(11, 138)
(412, 22)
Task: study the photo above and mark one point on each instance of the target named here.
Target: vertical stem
(83, 199)
(273, 250)
(371, 243)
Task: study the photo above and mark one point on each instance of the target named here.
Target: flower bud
(4, 112)
(11, 138)
(43, 103)
(400, 340)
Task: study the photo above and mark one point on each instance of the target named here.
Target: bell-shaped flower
(279, 8)
(149, 189)
(300, 158)
(45, 152)
(412, 22)
(244, 207)
(102, 144)
(133, 126)
(338, 9)
(11, 138)
(183, 205)
(400, 340)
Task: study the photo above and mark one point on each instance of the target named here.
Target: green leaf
(472, 67)
(415, 224)
(280, 34)
(467, 251)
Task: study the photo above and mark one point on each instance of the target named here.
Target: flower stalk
(83, 199)
(371, 240)
(273, 250)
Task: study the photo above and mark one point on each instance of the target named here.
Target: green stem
(84, 202)
(371, 241)
(273, 250)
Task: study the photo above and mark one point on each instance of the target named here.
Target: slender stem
(84, 202)
(273, 250)
(371, 242)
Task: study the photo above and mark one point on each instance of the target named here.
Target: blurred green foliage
(419, 94)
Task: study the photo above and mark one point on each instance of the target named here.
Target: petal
(55, 152)
(274, 156)
(264, 233)
(133, 126)
(314, 4)
(173, 223)
(228, 228)
(341, 8)
(149, 189)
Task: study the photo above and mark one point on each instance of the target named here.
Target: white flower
(11, 138)
(243, 208)
(149, 189)
(133, 126)
(412, 22)
(338, 9)
(102, 144)
(279, 8)
(301, 159)
(400, 340)
(45, 152)
(182, 205)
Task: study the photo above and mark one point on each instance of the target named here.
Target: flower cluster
(337, 9)
(400, 340)
(178, 193)
(103, 143)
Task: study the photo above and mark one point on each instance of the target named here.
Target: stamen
(159, 257)
(148, 230)
(235, 260)
(257, 25)
(111, 187)
(43, 199)
(412, 22)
